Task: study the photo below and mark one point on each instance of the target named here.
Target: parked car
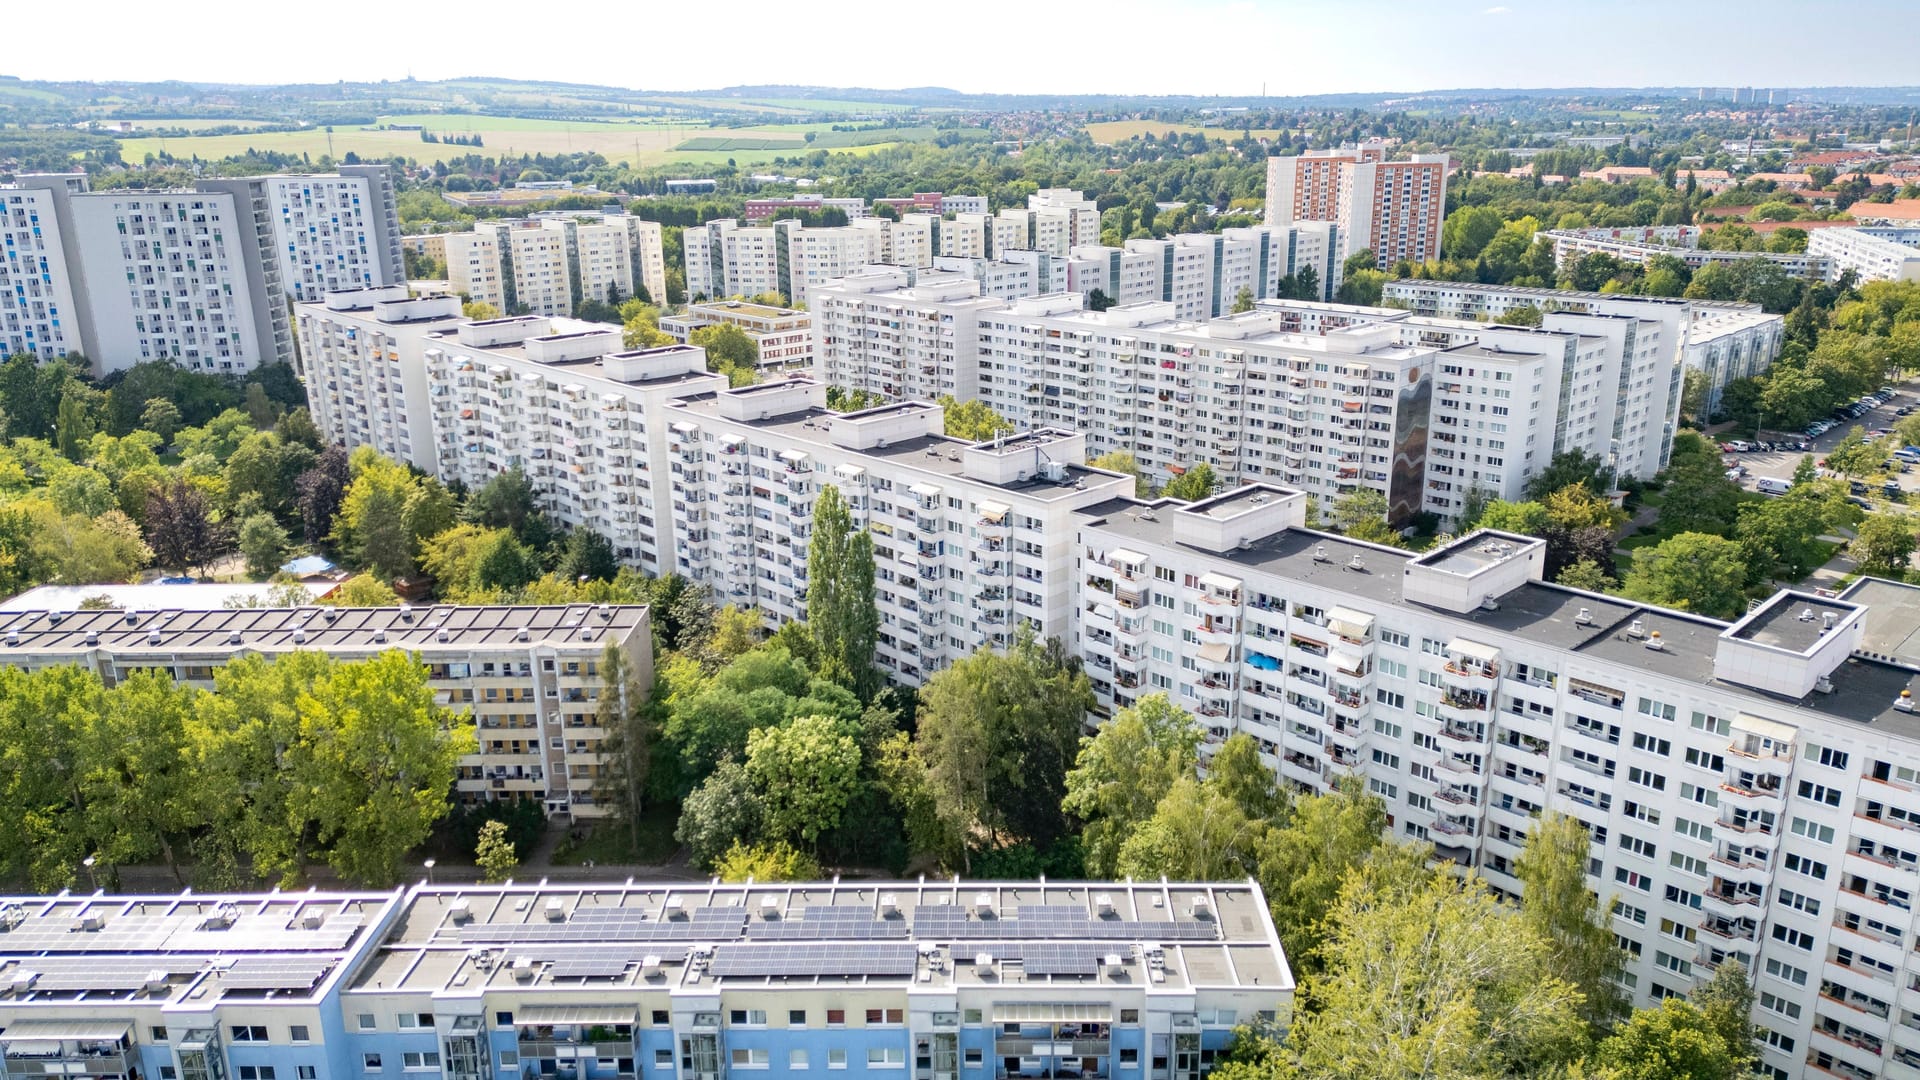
(1891, 487)
(1904, 410)
(1861, 503)
(1770, 485)
(1856, 487)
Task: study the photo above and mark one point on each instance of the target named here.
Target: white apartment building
(1748, 786)
(528, 678)
(1082, 214)
(907, 340)
(1637, 245)
(911, 240)
(1208, 270)
(725, 259)
(815, 257)
(1393, 208)
(517, 266)
(560, 399)
(1055, 220)
(971, 541)
(337, 231)
(125, 276)
(784, 336)
(1872, 254)
(1723, 340)
(968, 236)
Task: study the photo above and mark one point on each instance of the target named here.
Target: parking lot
(1780, 464)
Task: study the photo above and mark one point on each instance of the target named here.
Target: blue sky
(1108, 46)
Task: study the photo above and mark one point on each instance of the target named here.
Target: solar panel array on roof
(183, 932)
(101, 972)
(1040, 922)
(274, 973)
(614, 924)
(763, 960)
(603, 967)
(842, 921)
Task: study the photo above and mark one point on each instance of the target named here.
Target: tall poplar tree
(840, 599)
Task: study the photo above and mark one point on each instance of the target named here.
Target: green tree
(1358, 509)
(722, 811)
(1525, 518)
(1781, 535)
(1303, 862)
(588, 556)
(1363, 287)
(1523, 315)
(494, 853)
(73, 422)
(1726, 1001)
(1856, 455)
(1428, 975)
(503, 563)
(1243, 300)
(805, 771)
(626, 750)
(1123, 461)
(43, 719)
(731, 351)
(479, 310)
(1673, 1042)
(1570, 467)
(1884, 544)
(1239, 774)
(997, 732)
(264, 543)
(974, 420)
(1586, 574)
(137, 779)
(371, 526)
(1692, 571)
(1567, 915)
(778, 861)
(162, 417)
(1196, 483)
(1196, 833)
(506, 501)
(180, 527)
(841, 613)
(362, 590)
(1124, 770)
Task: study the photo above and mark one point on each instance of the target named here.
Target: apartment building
(1055, 220)
(1887, 254)
(518, 266)
(1637, 245)
(724, 259)
(970, 540)
(1747, 785)
(967, 235)
(527, 676)
(1206, 271)
(428, 245)
(953, 980)
(784, 336)
(1393, 208)
(901, 337)
(125, 277)
(337, 231)
(1723, 340)
(562, 400)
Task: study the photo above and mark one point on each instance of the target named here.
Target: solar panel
(600, 968)
(615, 924)
(1043, 922)
(763, 960)
(273, 973)
(1057, 958)
(839, 921)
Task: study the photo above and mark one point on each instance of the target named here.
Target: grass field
(637, 140)
(1114, 131)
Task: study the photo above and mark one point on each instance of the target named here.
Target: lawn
(606, 845)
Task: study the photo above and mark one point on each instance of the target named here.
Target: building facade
(337, 231)
(1886, 254)
(1393, 208)
(784, 336)
(125, 277)
(527, 678)
(1745, 784)
(1637, 245)
(954, 980)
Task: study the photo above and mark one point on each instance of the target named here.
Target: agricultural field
(1115, 131)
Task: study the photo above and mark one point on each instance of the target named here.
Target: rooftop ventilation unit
(1115, 963)
(983, 904)
(1637, 629)
(1320, 553)
(93, 637)
(556, 910)
(889, 906)
(670, 909)
(1654, 642)
(406, 612)
(1200, 908)
(1583, 617)
(23, 981)
(312, 918)
(1806, 615)
(132, 617)
(92, 920)
(233, 637)
(1356, 563)
(983, 960)
(523, 969)
(380, 635)
(330, 614)
(1904, 702)
(523, 633)
(1823, 685)
(649, 965)
(1827, 620)
(459, 909)
(769, 907)
(299, 635)
(218, 919)
(156, 981)
(1103, 904)
(13, 636)
(443, 635)
(153, 636)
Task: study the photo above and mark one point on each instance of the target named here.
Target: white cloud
(1499, 9)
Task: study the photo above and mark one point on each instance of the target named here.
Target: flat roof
(1475, 552)
(1240, 500)
(129, 632)
(670, 935)
(1890, 629)
(1793, 621)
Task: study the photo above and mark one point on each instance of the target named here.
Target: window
(1629, 912)
(1786, 973)
(255, 1072)
(1129, 1016)
(159, 1034)
(1688, 864)
(305, 1072)
(1631, 879)
(1641, 812)
(1643, 741)
(1827, 755)
(1646, 778)
(370, 1063)
(1130, 1056)
(1819, 793)
(415, 1020)
(1791, 899)
(749, 1017)
(1796, 938)
(660, 1018)
(249, 1032)
(1638, 846)
(886, 1056)
(1800, 864)
(1676, 930)
(1712, 725)
(419, 1059)
(836, 1017)
(663, 1059)
(367, 1023)
(1774, 1003)
(505, 1019)
(1782, 1043)
(1705, 796)
(1693, 830)
(1812, 831)
(973, 1058)
(796, 1059)
(1656, 709)
(749, 1057)
(1678, 895)
(511, 1058)
(973, 1016)
(886, 1016)
(837, 1059)
(297, 1033)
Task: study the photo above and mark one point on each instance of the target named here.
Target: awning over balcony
(574, 1014)
(793, 456)
(1486, 654)
(925, 491)
(1349, 623)
(24, 1031)
(1766, 729)
(1348, 662)
(994, 512)
(1219, 582)
(1213, 653)
(1041, 1012)
(1129, 558)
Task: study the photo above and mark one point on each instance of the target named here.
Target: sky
(1224, 47)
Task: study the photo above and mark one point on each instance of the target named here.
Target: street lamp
(429, 865)
(92, 881)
